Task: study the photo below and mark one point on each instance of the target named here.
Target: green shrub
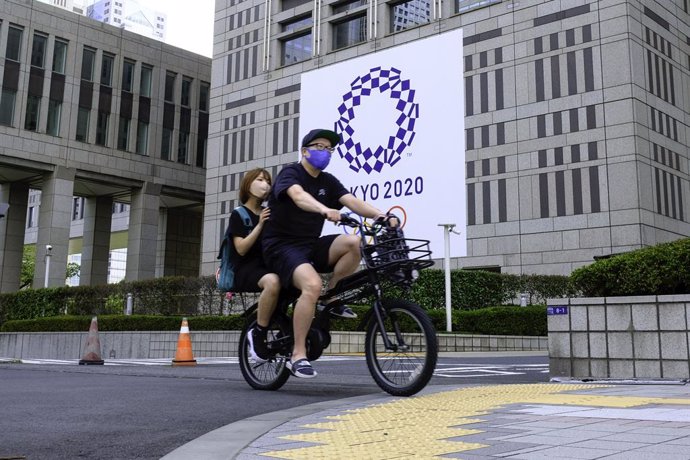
(494, 321)
(656, 270)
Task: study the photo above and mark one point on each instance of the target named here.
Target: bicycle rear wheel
(270, 375)
(407, 366)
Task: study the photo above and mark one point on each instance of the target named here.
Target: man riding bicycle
(302, 198)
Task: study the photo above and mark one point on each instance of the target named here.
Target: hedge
(495, 320)
(178, 296)
(656, 270)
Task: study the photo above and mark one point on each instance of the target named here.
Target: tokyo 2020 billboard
(399, 113)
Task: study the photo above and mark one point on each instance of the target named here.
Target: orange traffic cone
(92, 352)
(183, 355)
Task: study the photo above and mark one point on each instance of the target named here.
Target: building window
(33, 106)
(410, 13)
(83, 124)
(123, 133)
(200, 151)
(77, 208)
(107, 69)
(7, 106)
(59, 56)
(166, 143)
(31, 217)
(127, 75)
(463, 6)
(296, 49)
(170, 87)
(183, 147)
(87, 61)
(347, 6)
(289, 4)
(203, 96)
(186, 91)
(350, 32)
(38, 50)
(142, 137)
(102, 128)
(145, 84)
(54, 111)
(14, 43)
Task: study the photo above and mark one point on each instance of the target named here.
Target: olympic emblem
(373, 159)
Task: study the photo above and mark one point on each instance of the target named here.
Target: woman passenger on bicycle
(251, 274)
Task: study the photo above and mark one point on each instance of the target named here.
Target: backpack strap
(246, 220)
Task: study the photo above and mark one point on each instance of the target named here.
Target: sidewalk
(549, 420)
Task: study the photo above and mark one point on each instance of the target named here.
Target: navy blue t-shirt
(287, 220)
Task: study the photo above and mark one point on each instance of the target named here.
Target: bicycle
(401, 349)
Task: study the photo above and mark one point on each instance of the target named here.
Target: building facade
(576, 114)
(130, 15)
(94, 113)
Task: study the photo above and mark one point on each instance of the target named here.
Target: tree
(29, 267)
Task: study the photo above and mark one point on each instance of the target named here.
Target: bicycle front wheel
(406, 366)
(270, 375)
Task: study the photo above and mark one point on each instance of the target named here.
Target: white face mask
(260, 188)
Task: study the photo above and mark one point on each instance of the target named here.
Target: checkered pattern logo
(369, 158)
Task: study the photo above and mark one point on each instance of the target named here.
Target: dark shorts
(247, 276)
(283, 257)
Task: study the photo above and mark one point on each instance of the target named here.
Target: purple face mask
(319, 158)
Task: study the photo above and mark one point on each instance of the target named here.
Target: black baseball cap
(321, 133)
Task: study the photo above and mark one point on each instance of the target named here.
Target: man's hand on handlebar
(389, 220)
(332, 215)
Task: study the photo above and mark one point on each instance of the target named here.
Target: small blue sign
(556, 310)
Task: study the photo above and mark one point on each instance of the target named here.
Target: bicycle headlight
(414, 274)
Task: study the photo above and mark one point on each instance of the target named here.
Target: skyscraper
(130, 15)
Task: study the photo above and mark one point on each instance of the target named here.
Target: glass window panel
(297, 49)
(123, 133)
(7, 99)
(127, 76)
(350, 32)
(166, 143)
(169, 87)
(38, 50)
(203, 97)
(288, 4)
(463, 6)
(83, 124)
(142, 137)
(348, 6)
(54, 111)
(59, 56)
(33, 107)
(186, 91)
(14, 43)
(410, 14)
(182, 147)
(102, 128)
(88, 59)
(145, 84)
(297, 24)
(107, 70)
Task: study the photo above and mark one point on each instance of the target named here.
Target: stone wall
(620, 337)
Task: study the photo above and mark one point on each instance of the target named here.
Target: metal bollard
(523, 299)
(130, 301)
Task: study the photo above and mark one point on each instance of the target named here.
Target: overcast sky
(190, 23)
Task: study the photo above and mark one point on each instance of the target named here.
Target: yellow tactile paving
(417, 428)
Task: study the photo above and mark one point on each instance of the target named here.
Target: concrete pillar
(143, 232)
(183, 248)
(12, 229)
(54, 220)
(98, 216)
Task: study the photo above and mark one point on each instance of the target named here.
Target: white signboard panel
(400, 115)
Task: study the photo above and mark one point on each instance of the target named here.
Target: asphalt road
(143, 412)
